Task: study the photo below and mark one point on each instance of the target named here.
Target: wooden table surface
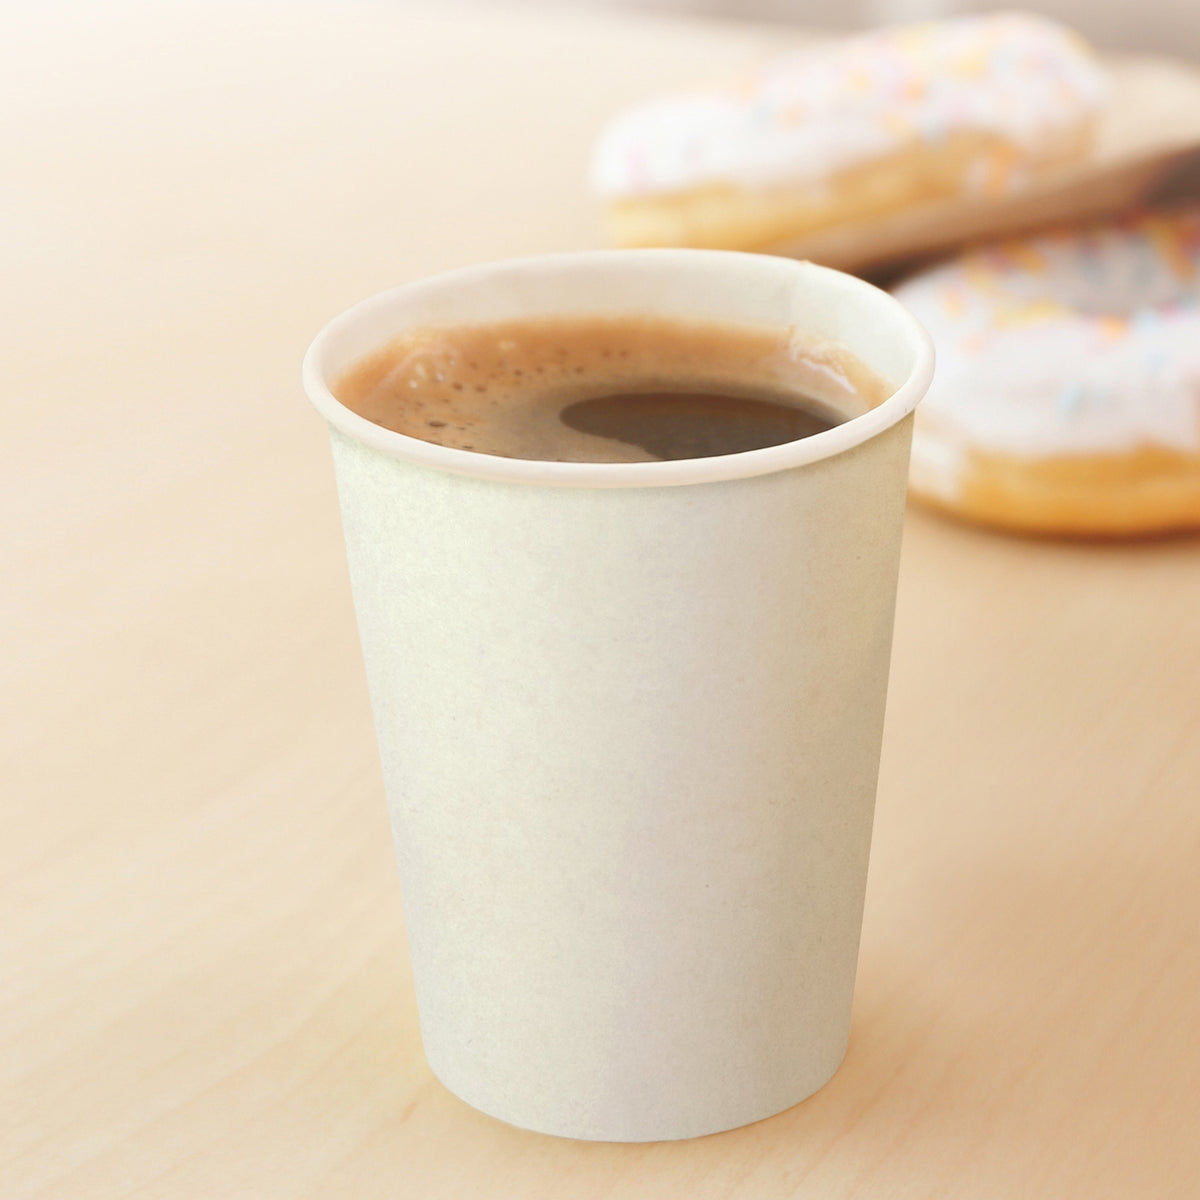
(204, 989)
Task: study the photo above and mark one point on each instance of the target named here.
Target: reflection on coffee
(608, 389)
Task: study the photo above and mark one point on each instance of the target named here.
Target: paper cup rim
(675, 472)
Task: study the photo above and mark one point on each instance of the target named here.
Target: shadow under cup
(629, 714)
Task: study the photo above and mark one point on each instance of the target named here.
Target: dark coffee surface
(693, 424)
(607, 389)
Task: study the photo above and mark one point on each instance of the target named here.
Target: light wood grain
(204, 988)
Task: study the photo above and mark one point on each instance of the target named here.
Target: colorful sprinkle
(1070, 398)
(954, 302)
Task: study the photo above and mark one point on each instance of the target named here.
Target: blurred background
(1149, 25)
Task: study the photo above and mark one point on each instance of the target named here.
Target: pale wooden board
(203, 984)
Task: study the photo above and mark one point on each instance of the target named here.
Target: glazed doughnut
(1066, 398)
(851, 131)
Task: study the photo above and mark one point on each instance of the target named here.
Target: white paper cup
(630, 714)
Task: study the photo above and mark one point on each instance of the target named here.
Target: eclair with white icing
(851, 131)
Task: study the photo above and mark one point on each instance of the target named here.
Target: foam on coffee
(608, 388)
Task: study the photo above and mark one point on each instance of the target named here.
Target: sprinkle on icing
(827, 107)
(1079, 341)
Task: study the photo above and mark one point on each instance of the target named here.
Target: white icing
(937, 465)
(1066, 344)
(825, 108)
